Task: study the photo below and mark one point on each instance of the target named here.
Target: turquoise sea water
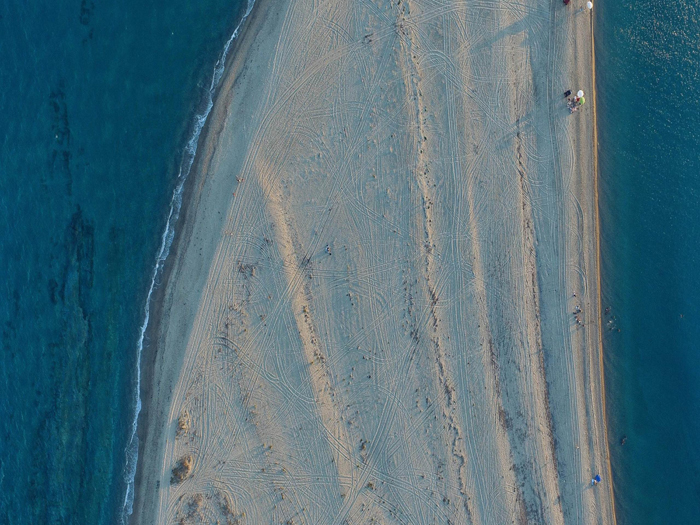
(648, 92)
(97, 104)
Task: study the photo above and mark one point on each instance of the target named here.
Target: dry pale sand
(429, 369)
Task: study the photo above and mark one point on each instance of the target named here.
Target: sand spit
(370, 312)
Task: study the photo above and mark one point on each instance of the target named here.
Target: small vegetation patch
(181, 470)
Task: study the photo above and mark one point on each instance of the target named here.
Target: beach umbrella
(597, 478)
(580, 93)
(589, 5)
(581, 101)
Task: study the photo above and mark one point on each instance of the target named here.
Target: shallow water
(648, 71)
(97, 102)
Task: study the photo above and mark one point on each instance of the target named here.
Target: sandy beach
(382, 305)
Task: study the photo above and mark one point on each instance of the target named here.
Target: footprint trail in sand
(384, 329)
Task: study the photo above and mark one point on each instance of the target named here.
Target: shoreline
(593, 358)
(147, 428)
(601, 364)
(525, 386)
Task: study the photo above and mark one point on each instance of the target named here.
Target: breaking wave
(200, 119)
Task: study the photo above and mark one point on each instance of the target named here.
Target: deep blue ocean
(98, 108)
(648, 94)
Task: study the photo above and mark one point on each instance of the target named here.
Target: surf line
(132, 447)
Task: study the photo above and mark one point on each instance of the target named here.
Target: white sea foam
(200, 119)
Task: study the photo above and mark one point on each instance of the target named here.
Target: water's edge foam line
(167, 237)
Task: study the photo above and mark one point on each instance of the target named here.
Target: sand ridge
(393, 216)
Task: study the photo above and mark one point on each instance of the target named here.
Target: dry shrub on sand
(181, 469)
(183, 423)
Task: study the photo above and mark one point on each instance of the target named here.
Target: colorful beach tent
(581, 101)
(597, 478)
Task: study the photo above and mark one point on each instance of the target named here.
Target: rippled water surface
(648, 92)
(97, 102)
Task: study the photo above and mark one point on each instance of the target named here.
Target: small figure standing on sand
(328, 249)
